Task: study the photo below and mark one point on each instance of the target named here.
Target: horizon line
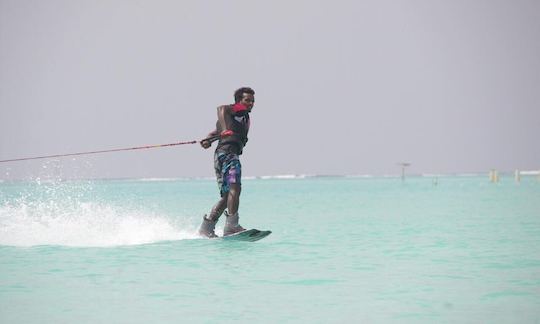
(281, 176)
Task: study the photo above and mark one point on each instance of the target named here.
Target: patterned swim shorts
(228, 170)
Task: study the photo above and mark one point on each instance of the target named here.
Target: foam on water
(88, 224)
(53, 213)
(158, 179)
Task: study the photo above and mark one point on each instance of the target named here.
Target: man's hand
(206, 144)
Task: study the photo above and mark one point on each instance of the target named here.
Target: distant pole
(403, 166)
(493, 176)
(517, 176)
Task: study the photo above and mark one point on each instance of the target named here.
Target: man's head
(245, 96)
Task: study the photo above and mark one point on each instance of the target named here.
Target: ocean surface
(343, 250)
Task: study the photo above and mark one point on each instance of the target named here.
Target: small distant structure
(403, 166)
(494, 176)
(517, 176)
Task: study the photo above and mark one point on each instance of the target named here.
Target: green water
(364, 250)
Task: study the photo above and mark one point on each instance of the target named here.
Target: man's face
(248, 100)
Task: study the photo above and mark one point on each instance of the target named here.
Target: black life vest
(239, 124)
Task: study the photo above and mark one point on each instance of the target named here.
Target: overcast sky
(342, 87)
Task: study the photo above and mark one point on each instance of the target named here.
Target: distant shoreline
(505, 174)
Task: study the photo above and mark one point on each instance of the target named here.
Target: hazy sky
(342, 87)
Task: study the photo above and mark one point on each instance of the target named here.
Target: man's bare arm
(210, 138)
(222, 112)
(223, 120)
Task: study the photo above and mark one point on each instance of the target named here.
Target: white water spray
(68, 215)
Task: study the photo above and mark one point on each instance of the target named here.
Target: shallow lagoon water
(343, 249)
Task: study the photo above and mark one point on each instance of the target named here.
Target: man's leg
(218, 208)
(233, 199)
(209, 221)
(233, 202)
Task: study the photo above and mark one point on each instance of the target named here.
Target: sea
(343, 249)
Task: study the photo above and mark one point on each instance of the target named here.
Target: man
(231, 130)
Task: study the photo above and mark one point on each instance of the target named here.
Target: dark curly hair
(238, 94)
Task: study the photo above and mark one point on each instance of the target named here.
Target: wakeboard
(250, 235)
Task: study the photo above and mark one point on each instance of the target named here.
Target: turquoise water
(364, 250)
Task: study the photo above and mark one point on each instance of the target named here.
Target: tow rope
(104, 151)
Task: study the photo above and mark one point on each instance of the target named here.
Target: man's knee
(235, 189)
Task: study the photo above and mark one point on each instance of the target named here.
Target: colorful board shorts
(228, 170)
